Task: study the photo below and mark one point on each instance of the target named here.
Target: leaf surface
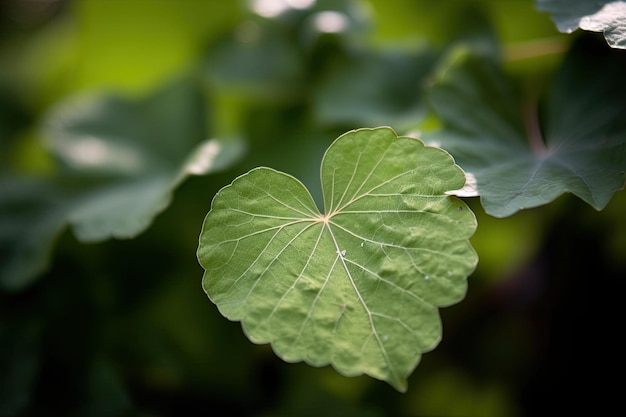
(522, 157)
(597, 16)
(357, 287)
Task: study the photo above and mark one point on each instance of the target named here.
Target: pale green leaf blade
(359, 286)
(608, 16)
(522, 157)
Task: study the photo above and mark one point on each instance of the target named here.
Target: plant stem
(535, 48)
(533, 129)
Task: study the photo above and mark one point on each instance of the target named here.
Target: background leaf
(360, 91)
(608, 16)
(359, 286)
(136, 153)
(121, 161)
(145, 148)
(32, 215)
(498, 137)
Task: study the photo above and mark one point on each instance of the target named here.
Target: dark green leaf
(144, 149)
(32, 215)
(370, 88)
(521, 160)
(256, 61)
(122, 159)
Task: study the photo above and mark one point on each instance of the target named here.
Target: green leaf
(32, 215)
(357, 287)
(521, 160)
(122, 160)
(597, 16)
(374, 87)
(136, 152)
(258, 62)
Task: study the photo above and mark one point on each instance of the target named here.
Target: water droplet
(385, 337)
(343, 253)
(426, 276)
(362, 243)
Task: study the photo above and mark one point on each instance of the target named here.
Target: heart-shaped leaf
(357, 286)
(608, 16)
(523, 158)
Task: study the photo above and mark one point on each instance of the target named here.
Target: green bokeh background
(123, 328)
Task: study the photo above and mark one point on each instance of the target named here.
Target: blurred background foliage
(93, 326)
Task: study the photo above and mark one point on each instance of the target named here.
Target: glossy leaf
(357, 286)
(524, 158)
(608, 16)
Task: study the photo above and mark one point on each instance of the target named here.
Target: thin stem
(535, 48)
(533, 129)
